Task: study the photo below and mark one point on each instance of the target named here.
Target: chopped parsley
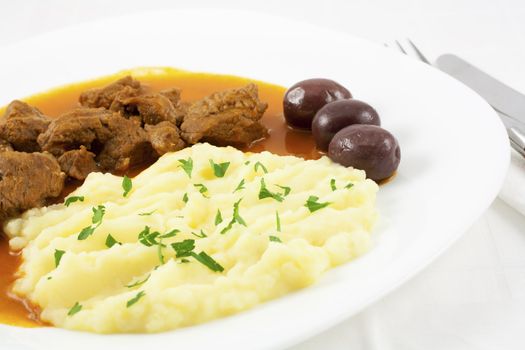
(135, 298)
(185, 249)
(247, 162)
(187, 165)
(172, 233)
(98, 214)
(159, 252)
(239, 187)
(202, 189)
(312, 204)
(147, 237)
(58, 256)
(202, 234)
(111, 241)
(138, 283)
(275, 239)
(74, 309)
(286, 189)
(260, 165)
(73, 199)
(185, 197)
(277, 221)
(264, 192)
(218, 217)
(148, 213)
(236, 218)
(332, 184)
(208, 261)
(219, 169)
(350, 185)
(126, 185)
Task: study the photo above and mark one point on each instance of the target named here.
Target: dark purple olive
(366, 147)
(336, 115)
(305, 98)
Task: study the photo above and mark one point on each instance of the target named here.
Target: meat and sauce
(230, 117)
(27, 180)
(113, 129)
(21, 126)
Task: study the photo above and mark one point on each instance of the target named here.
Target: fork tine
(400, 47)
(418, 53)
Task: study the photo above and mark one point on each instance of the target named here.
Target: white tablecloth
(473, 297)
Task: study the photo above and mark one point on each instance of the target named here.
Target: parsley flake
(208, 261)
(218, 217)
(277, 221)
(138, 283)
(202, 189)
(74, 309)
(73, 199)
(201, 235)
(264, 192)
(135, 298)
(350, 185)
(312, 204)
(332, 184)
(219, 169)
(187, 165)
(275, 239)
(236, 218)
(286, 189)
(185, 198)
(98, 214)
(147, 237)
(58, 256)
(239, 187)
(172, 233)
(184, 248)
(86, 232)
(126, 185)
(147, 213)
(111, 241)
(159, 252)
(260, 165)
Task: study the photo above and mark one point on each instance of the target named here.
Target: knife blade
(501, 97)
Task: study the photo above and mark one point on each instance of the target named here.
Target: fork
(516, 137)
(417, 53)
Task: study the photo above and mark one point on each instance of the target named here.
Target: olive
(367, 147)
(336, 115)
(305, 98)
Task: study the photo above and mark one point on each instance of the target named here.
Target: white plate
(454, 152)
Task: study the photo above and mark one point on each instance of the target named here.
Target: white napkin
(513, 190)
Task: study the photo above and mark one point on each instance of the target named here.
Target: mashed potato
(253, 240)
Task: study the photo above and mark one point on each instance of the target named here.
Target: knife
(508, 103)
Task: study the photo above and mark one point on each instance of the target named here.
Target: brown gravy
(282, 141)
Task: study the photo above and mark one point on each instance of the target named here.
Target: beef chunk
(26, 180)
(103, 97)
(152, 108)
(164, 137)
(181, 108)
(229, 117)
(128, 145)
(21, 126)
(5, 146)
(79, 127)
(78, 163)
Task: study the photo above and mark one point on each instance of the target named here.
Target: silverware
(507, 102)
